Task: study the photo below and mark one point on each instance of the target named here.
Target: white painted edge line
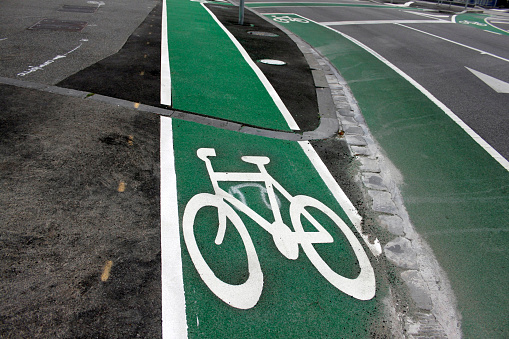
(381, 22)
(272, 92)
(492, 32)
(174, 324)
(491, 24)
(456, 43)
(165, 89)
(339, 195)
(278, 13)
(431, 16)
(497, 156)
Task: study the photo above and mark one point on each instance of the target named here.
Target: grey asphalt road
(105, 31)
(79, 183)
(439, 65)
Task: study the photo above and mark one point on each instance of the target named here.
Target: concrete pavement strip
(328, 126)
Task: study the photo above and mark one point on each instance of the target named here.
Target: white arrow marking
(498, 85)
(98, 3)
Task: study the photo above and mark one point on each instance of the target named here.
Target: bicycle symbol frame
(247, 294)
(285, 19)
(467, 22)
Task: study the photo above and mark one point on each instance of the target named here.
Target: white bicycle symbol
(287, 19)
(466, 22)
(247, 294)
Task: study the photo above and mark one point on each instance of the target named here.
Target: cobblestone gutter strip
(433, 313)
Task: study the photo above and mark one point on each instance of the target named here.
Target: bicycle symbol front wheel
(243, 296)
(363, 287)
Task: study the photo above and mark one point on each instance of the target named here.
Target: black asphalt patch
(131, 74)
(80, 220)
(134, 72)
(78, 9)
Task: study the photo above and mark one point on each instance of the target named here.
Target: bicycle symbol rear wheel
(243, 296)
(283, 20)
(363, 287)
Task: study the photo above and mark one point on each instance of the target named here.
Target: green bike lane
(294, 300)
(456, 194)
(329, 288)
(481, 21)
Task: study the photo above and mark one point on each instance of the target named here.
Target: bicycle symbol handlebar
(287, 241)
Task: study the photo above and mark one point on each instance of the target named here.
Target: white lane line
(487, 147)
(433, 16)
(493, 32)
(486, 20)
(456, 43)
(268, 86)
(381, 22)
(165, 95)
(172, 280)
(339, 195)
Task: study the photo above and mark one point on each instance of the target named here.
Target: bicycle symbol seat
(287, 241)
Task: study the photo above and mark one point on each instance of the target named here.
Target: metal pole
(241, 12)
